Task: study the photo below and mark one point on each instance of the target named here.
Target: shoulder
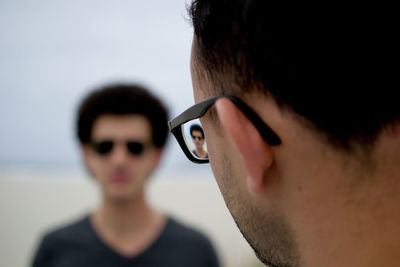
(177, 228)
(186, 235)
(68, 232)
(182, 239)
(59, 240)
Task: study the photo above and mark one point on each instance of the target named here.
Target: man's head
(122, 130)
(322, 81)
(313, 63)
(197, 133)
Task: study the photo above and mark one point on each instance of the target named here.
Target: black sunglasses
(104, 147)
(197, 137)
(199, 110)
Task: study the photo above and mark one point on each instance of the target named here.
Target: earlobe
(255, 153)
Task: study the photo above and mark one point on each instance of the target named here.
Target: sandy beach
(35, 200)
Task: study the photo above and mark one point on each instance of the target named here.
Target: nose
(119, 154)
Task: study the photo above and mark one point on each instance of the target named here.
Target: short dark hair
(122, 99)
(196, 127)
(330, 66)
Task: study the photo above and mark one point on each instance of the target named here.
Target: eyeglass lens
(193, 134)
(104, 148)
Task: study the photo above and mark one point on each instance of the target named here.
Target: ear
(255, 153)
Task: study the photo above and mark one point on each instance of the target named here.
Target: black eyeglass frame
(199, 110)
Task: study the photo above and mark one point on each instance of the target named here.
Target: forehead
(122, 127)
(194, 132)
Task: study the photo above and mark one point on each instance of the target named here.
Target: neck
(128, 227)
(125, 216)
(368, 233)
(200, 151)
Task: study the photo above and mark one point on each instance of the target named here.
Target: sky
(52, 53)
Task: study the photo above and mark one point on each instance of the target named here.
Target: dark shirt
(77, 245)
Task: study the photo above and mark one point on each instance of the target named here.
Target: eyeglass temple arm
(266, 132)
(201, 108)
(196, 111)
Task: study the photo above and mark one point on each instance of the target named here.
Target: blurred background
(52, 53)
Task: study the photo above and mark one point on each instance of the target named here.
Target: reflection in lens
(195, 139)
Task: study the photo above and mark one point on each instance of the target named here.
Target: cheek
(91, 163)
(143, 166)
(224, 158)
(146, 164)
(222, 170)
(215, 150)
(97, 168)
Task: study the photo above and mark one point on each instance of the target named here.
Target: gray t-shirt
(77, 245)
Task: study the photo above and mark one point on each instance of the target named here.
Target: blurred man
(122, 130)
(197, 134)
(300, 111)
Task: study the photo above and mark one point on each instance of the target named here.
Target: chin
(120, 195)
(120, 198)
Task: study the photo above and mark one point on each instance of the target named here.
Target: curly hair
(122, 99)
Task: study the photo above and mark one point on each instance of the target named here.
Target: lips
(119, 177)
